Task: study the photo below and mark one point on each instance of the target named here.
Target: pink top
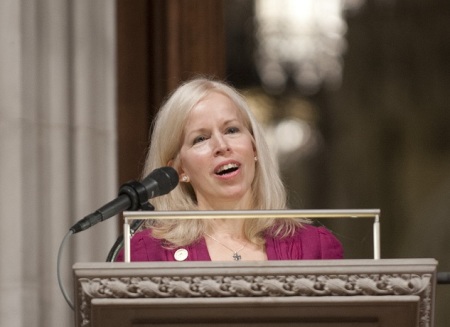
(308, 243)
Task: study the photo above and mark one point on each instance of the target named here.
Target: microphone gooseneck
(132, 196)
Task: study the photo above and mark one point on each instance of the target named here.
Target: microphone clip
(137, 194)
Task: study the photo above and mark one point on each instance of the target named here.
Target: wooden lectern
(344, 293)
(319, 293)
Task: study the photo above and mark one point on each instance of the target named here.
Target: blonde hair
(268, 191)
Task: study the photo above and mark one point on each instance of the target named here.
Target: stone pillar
(58, 145)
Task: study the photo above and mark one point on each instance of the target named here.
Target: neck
(243, 203)
(227, 228)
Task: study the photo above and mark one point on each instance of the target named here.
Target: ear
(253, 143)
(184, 178)
(181, 174)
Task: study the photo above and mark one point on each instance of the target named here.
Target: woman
(206, 131)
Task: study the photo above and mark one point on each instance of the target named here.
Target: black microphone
(443, 277)
(132, 196)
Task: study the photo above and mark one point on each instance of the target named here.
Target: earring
(256, 158)
(185, 179)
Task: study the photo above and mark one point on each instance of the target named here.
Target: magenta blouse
(308, 243)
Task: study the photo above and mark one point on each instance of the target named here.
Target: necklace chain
(236, 255)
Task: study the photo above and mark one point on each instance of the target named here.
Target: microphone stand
(139, 200)
(138, 197)
(118, 245)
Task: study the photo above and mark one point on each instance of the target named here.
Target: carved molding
(255, 285)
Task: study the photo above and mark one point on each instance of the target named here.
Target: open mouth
(227, 169)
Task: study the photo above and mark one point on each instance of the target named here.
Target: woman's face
(217, 154)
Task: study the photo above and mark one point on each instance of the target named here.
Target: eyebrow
(227, 122)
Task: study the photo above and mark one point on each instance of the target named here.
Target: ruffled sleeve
(308, 243)
(331, 247)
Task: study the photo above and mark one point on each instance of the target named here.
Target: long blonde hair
(268, 191)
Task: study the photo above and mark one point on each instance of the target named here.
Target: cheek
(249, 147)
(192, 159)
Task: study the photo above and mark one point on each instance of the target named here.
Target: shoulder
(307, 242)
(319, 242)
(144, 247)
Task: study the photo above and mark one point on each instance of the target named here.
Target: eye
(199, 139)
(232, 130)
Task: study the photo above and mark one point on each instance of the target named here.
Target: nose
(221, 145)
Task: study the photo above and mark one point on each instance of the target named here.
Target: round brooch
(181, 254)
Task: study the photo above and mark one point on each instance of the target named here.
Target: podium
(322, 293)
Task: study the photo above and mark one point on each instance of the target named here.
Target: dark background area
(381, 136)
(384, 131)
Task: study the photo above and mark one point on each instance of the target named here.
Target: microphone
(132, 196)
(443, 277)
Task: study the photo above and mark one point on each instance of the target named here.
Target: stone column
(58, 149)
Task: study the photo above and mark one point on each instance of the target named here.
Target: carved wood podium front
(368, 293)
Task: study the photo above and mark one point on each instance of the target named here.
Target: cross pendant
(236, 256)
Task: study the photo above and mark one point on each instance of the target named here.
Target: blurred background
(353, 94)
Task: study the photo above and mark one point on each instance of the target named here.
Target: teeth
(226, 167)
